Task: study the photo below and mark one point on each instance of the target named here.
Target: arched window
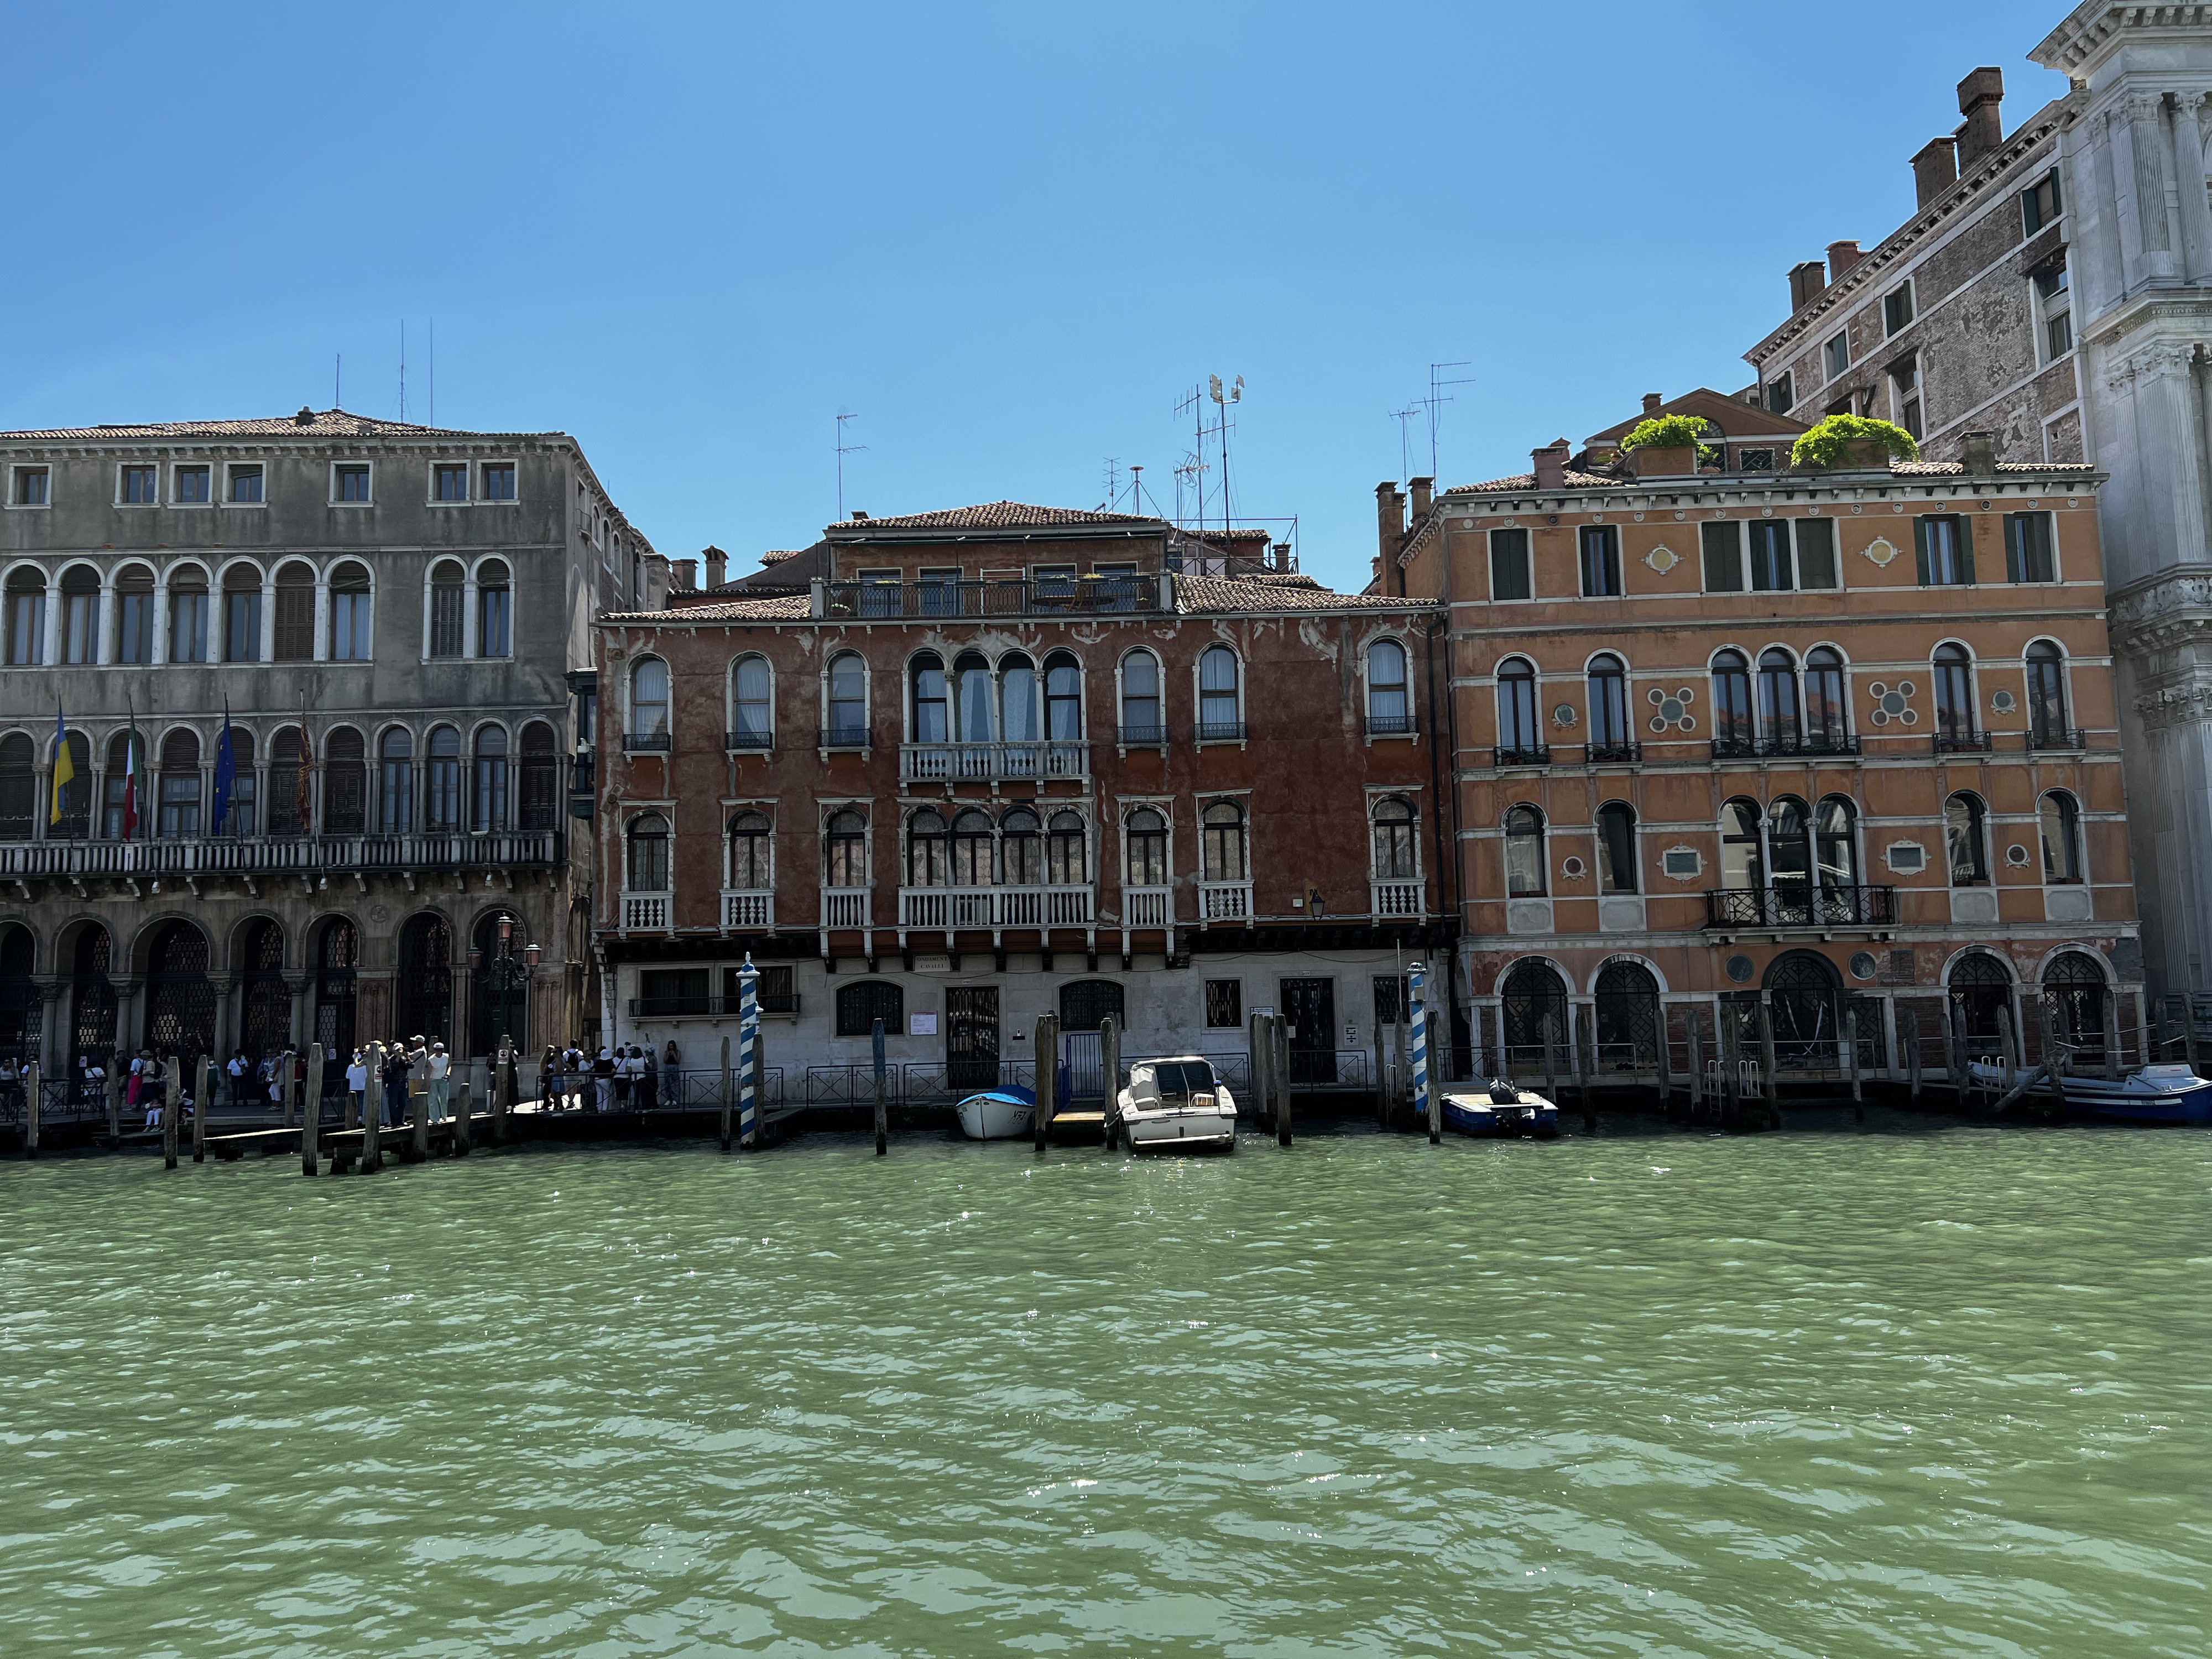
(447, 609)
(1147, 832)
(1732, 727)
(1835, 845)
(1022, 848)
(1063, 698)
(926, 674)
(1789, 858)
(1805, 995)
(848, 700)
(649, 853)
(265, 1014)
(1223, 841)
(845, 850)
(2074, 990)
(491, 780)
(19, 786)
(925, 852)
(295, 612)
(495, 610)
(1388, 707)
(1020, 716)
(1524, 853)
(1086, 1004)
(541, 781)
(1141, 720)
(188, 615)
(1827, 714)
(1980, 990)
(92, 994)
(179, 999)
(1965, 838)
(864, 1001)
(426, 978)
(752, 840)
(648, 705)
(1392, 841)
(2060, 818)
(442, 781)
(2047, 726)
(240, 813)
(971, 678)
(1628, 1028)
(1743, 862)
(350, 630)
(395, 782)
(180, 786)
(23, 1015)
(135, 621)
(27, 618)
(751, 719)
(1608, 706)
(1534, 1012)
(345, 784)
(80, 618)
(1616, 848)
(1067, 857)
(1778, 726)
(1220, 708)
(1516, 710)
(1955, 697)
(118, 783)
(971, 849)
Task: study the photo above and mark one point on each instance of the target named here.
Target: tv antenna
(403, 368)
(1436, 399)
(1235, 396)
(843, 449)
(1405, 439)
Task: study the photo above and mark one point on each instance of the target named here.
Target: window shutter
(1920, 547)
(1723, 547)
(1966, 548)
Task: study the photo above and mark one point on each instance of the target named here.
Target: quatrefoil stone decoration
(1672, 710)
(1894, 702)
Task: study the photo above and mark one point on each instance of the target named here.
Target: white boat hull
(1159, 1131)
(982, 1118)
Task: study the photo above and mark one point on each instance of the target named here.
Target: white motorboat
(998, 1114)
(1176, 1102)
(2153, 1094)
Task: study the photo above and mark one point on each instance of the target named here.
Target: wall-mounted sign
(921, 1024)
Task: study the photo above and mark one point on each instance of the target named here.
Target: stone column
(267, 643)
(50, 647)
(161, 618)
(321, 651)
(129, 1017)
(42, 780)
(2195, 208)
(2142, 186)
(53, 1056)
(301, 986)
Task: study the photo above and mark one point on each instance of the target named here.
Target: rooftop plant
(1671, 432)
(1829, 444)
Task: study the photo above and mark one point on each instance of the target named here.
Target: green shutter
(1966, 548)
(1920, 547)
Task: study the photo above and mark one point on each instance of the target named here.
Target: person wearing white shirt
(441, 1083)
(357, 1080)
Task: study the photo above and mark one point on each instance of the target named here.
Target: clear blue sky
(1008, 237)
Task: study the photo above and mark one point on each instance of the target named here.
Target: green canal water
(1913, 1391)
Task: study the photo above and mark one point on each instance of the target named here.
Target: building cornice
(2090, 28)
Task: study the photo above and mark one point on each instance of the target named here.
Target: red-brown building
(953, 770)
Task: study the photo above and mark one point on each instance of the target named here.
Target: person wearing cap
(603, 1075)
(439, 1066)
(396, 1065)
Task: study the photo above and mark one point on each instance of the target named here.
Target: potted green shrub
(1668, 445)
(1853, 443)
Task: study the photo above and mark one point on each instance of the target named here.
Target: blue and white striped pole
(748, 1030)
(1424, 1103)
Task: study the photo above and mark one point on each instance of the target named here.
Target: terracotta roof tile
(1525, 483)
(785, 607)
(325, 423)
(996, 515)
(1218, 595)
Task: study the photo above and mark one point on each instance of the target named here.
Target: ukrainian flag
(64, 772)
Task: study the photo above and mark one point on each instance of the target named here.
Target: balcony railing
(648, 743)
(842, 736)
(282, 854)
(1521, 754)
(1962, 743)
(1752, 748)
(1392, 900)
(2049, 739)
(845, 907)
(784, 1002)
(1393, 725)
(644, 912)
(1072, 596)
(1224, 901)
(1220, 731)
(747, 909)
(1147, 906)
(1599, 754)
(1793, 905)
(736, 740)
(1141, 737)
(986, 763)
(951, 908)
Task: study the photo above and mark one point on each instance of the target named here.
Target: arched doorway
(426, 978)
(2074, 991)
(502, 987)
(264, 1006)
(179, 1000)
(1627, 1018)
(91, 996)
(337, 956)
(1534, 1014)
(1981, 989)
(1805, 999)
(23, 1015)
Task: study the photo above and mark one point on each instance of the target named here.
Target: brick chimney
(683, 574)
(1842, 256)
(1424, 491)
(1389, 529)
(1806, 281)
(1977, 453)
(718, 566)
(1980, 96)
(1651, 402)
(1935, 169)
(1551, 465)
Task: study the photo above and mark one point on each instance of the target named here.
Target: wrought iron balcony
(250, 855)
(1962, 743)
(1604, 754)
(1793, 904)
(1521, 754)
(648, 743)
(1791, 744)
(1220, 731)
(986, 763)
(1407, 725)
(1141, 737)
(2050, 740)
(1072, 596)
(736, 740)
(842, 736)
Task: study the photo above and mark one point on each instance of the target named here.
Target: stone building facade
(418, 601)
(2051, 293)
(1836, 744)
(967, 768)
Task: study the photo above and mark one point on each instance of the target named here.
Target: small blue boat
(1003, 1113)
(2156, 1094)
(1501, 1110)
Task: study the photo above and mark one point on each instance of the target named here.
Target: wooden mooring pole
(372, 1112)
(1109, 1062)
(1428, 1099)
(748, 1065)
(2055, 1057)
(1852, 1043)
(883, 1102)
(418, 1090)
(2112, 1036)
(1770, 1085)
(172, 1090)
(1401, 1075)
(1694, 1020)
(1045, 1049)
(112, 1086)
(1381, 1080)
(1278, 1067)
(1908, 1033)
(729, 1101)
(311, 1126)
(206, 1092)
(30, 1108)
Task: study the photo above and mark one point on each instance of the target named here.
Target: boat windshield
(1182, 1077)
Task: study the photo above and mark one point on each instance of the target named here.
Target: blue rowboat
(2156, 1094)
(1501, 1110)
(998, 1114)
